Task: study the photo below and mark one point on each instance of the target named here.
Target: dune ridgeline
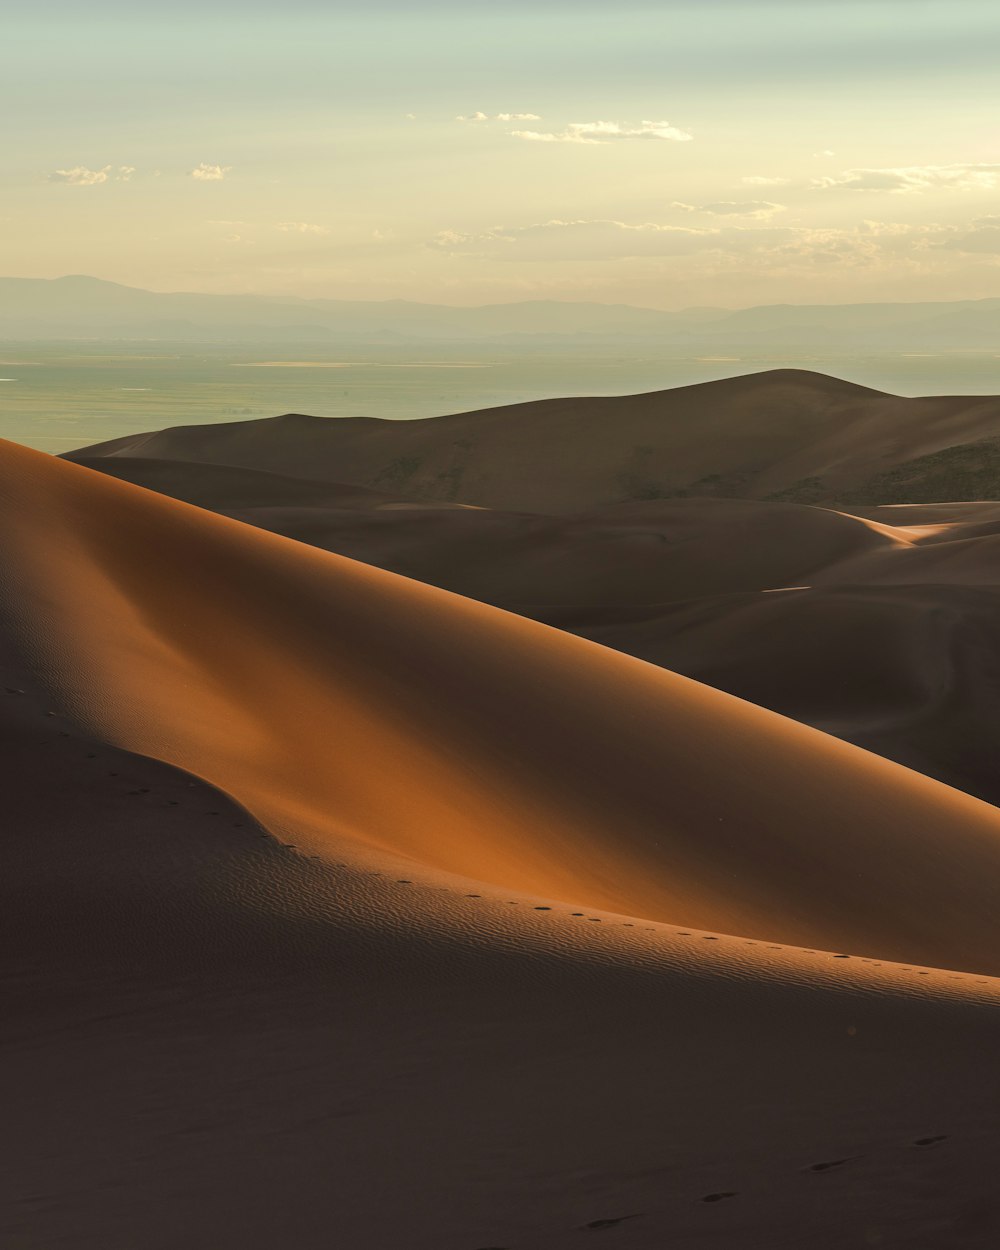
(345, 908)
(613, 519)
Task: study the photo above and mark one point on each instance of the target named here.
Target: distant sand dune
(785, 434)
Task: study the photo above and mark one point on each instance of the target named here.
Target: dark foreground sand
(530, 974)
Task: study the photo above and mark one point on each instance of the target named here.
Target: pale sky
(667, 154)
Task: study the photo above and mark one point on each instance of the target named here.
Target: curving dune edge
(365, 713)
(509, 969)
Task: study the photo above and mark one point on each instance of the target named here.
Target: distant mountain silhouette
(82, 307)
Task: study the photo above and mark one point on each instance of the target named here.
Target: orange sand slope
(214, 1040)
(882, 629)
(356, 708)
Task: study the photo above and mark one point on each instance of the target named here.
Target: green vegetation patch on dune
(966, 472)
(961, 474)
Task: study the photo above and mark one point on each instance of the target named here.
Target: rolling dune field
(343, 908)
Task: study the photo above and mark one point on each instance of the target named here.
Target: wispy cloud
(605, 132)
(914, 178)
(982, 238)
(300, 227)
(209, 173)
(81, 176)
(743, 208)
(255, 227)
(581, 239)
(748, 246)
(499, 117)
(758, 209)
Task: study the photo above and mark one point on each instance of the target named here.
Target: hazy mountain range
(80, 307)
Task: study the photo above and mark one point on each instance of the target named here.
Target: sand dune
(787, 434)
(879, 628)
(648, 552)
(894, 649)
(228, 488)
(211, 1040)
(347, 704)
(490, 1011)
(905, 671)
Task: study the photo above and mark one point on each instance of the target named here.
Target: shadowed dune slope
(356, 708)
(786, 433)
(231, 489)
(647, 552)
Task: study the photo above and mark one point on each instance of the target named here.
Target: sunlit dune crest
(896, 534)
(506, 742)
